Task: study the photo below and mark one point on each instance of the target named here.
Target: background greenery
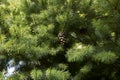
(29, 31)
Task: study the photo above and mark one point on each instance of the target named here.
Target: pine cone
(62, 38)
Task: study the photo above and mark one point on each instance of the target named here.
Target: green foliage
(79, 52)
(61, 66)
(86, 68)
(36, 74)
(1, 76)
(18, 76)
(53, 74)
(29, 30)
(101, 30)
(106, 57)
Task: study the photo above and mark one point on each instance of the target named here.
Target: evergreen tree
(61, 39)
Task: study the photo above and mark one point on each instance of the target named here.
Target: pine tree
(61, 39)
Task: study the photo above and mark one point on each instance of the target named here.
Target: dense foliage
(90, 44)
